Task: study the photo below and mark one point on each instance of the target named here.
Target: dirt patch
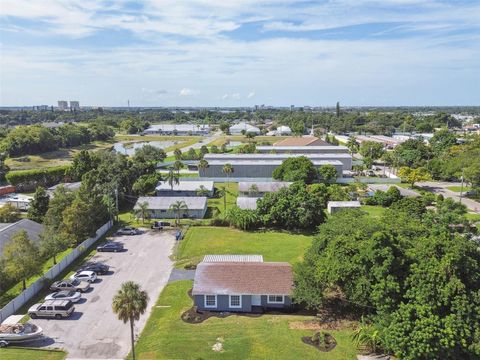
(317, 324)
(321, 340)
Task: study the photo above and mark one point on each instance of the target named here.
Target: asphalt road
(93, 331)
(439, 187)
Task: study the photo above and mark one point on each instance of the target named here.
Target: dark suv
(97, 267)
(110, 246)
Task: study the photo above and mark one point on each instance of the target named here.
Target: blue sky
(237, 53)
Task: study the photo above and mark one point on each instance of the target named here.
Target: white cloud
(251, 95)
(236, 96)
(186, 92)
(225, 96)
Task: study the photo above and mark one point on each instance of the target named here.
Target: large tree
(39, 205)
(21, 258)
(296, 169)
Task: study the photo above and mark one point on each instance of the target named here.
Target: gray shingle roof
(32, 228)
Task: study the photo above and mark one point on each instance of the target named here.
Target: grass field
(459, 188)
(166, 336)
(184, 141)
(258, 139)
(273, 245)
(53, 158)
(31, 354)
(374, 211)
(17, 289)
(216, 205)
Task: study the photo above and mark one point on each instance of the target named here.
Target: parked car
(75, 285)
(52, 308)
(110, 246)
(71, 295)
(89, 276)
(97, 267)
(159, 225)
(128, 230)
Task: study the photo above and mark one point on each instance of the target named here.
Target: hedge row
(25, 180)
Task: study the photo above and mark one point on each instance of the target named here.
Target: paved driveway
(93, 331)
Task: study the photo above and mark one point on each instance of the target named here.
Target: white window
(210, 301)
(235, 301)
(275, 299)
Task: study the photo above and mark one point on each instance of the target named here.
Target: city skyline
(211, 53)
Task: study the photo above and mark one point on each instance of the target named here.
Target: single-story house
(177, 129)
(18, 201)
(185, 188)
(159, 206)
(248, 286)
(334, 206)
(260, 188)
(7, 230)
(384, 187)
(283, 130)
(69, 186)
(241, 127)
(302, 141)
(247, 203)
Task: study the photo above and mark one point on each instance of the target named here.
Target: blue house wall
(223, 303)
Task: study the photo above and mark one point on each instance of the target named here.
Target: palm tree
(223, 192)
(110, 206)
(178, 207)
(202, 164)
(178, 165)
(178, 154)
(129, 303)
(142, 211)
(228, 170)
(203, 191)
(352, 144)
(253, 190)
(173, 178)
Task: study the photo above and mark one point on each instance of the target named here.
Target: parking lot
(93, 330)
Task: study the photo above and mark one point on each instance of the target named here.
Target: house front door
(256, 300)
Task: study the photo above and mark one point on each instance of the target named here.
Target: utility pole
(461, 189)
(116, 199)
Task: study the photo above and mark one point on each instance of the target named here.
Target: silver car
(71, 295)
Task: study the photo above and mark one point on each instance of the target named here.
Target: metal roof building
(247, 203)
(159, 206)
(184, 188)
(334, 206)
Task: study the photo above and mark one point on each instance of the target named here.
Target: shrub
(29, 179)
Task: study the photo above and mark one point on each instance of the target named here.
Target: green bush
(25, 180)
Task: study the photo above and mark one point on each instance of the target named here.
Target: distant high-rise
(63, 105)
(74, 105)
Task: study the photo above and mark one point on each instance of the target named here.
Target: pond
(129, 148)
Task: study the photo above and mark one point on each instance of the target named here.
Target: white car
(89, 276)
(71, 295)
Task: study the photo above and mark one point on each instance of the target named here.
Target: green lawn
(53, 158)
(17, 289)
(374, 211)
(459, 188)
(31, 354)
(166, 336)
(216, 205)
(274, 246)
(473, 217)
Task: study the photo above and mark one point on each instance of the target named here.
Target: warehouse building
(256, 168)
(345, 159)
(185, 188)
(177, 129)
(277, 149)
(160, 207)
(243, 127)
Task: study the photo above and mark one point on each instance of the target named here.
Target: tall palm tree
(178, 165)
(142, 211)
(110, 206)
(202, 164)
(129, 303)
(228, 170)
(178, 154)
(223, 193)
(173, 178)
(178, 207)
